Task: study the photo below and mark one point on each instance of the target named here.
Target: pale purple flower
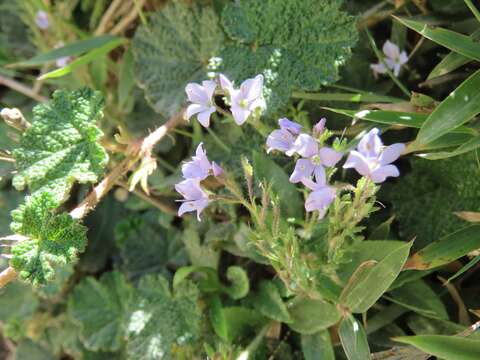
(283, 139)
(314, 159)
(372, 159)
(319, 127)
(394, 59)
(41, 19)
(201, 97)
(195, 199)
(200, 167)
(321, 196)
(246, 100)
(216, 169)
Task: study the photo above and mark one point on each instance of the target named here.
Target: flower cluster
(194, 171)
(371, 159)
(394, 60)
(245, 102)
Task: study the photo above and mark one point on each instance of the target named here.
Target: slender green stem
(389, 72)
(473, 9)
(359, 97)
(218, 140)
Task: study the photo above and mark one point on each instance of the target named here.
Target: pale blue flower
(200, 167)
(283, 139)
(245, 100)
(195, 199)
(314, 158)
(41, 20)
(321, 196)
(201, 97)
(373, 160)
(394, 59)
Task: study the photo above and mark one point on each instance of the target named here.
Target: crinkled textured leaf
(162, 320)
(297, 44)
(433, 190)
(100, 309)
(173, 51)
(61, 147)
(54, 239)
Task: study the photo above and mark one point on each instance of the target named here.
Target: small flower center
(316, 160)
(243, 103)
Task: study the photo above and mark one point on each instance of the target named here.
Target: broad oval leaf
(311, 316)
(375, 280)
(354, 339)
(318, 346)
(445, 347)
(459, 107)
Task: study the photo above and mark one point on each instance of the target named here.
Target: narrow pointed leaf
(459, 107)
(445, 347)
(446, 250)
(452, 40)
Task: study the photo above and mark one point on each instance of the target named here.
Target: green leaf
(239, 283)
(53, 239)
(368, 288)
(419, 297)
(174, 50)
(446, 250)
(270, 304)
(382, 231)
(311, 316)
(414, 120)
(61, 146)
(465, 147)
(354, 339)
(454, 41)
(445, 347)
(318, 346)
(242, 321)
(459, 107)
(17, 301)
(72, 49)
(83, 60)
(296, 45)
(100, 309)
(29, 350)
(161, 319)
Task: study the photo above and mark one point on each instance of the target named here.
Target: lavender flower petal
(306, 146)
(329, 157)
(371, 144)
(358, 162)
(319, 127)
(289, 125)
(391, 153)
(303, 169)
(380, 174)
(281, 140)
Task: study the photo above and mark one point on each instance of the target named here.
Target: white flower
(247, 99)
(394, 59)
(201, 97)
